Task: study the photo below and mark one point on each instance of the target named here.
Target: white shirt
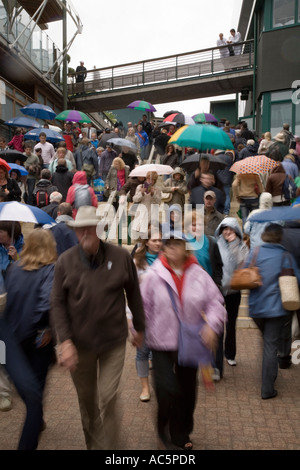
(47, 151)
(224, 52)
(234, 39)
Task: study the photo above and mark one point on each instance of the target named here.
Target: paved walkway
(233, 417)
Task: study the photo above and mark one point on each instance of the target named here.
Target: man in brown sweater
(88, 316)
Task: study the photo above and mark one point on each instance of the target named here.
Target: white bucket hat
(85, 217)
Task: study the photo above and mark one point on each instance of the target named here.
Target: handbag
(288, 285)
(166, 197)
(192, 352)
(247, 278)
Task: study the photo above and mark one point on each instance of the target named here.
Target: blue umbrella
(39, 111)
(22, 122)
(51, 136)
(18, 212)
(283, 213)
(21, 169)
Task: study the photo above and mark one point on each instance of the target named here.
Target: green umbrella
(202, 137)
(73, 115)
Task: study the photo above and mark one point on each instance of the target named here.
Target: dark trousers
(271, 329)
(26, 383)
(176, 393)
(232, 303)
(30, 188)
(228, 348)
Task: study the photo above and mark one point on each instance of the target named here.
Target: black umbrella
(12, 155)
(170, 112)
(191, 163)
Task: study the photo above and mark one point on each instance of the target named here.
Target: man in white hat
(212, 218)
(88, 314)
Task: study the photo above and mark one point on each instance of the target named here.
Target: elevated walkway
(179, 77)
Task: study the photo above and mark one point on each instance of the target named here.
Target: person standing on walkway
(88, 314)
(265, 305)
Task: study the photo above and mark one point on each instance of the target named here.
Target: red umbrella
(5, 164)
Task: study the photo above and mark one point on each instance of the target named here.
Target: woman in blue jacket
(265, 306)
(28, 285)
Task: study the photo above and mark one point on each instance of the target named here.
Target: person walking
(233, 252)
(265, 305)
(28, 285)
(193, 292)
(88, 314)
(144, 257)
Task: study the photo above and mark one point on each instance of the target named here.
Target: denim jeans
(143, 355)
(26, 383)
(247, 206)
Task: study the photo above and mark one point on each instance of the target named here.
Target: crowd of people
(69, 291)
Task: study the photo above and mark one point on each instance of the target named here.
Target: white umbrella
(142, 170)
(122, 142)
(17, 212)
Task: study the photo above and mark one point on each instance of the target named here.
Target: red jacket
(79, 178)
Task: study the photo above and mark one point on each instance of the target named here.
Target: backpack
(289, 189)
(42, 197)
(82, 196)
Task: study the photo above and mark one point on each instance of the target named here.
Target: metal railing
(188, 66)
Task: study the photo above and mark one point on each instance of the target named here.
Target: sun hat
(85, 217)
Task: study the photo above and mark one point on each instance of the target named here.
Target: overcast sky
(121, 31)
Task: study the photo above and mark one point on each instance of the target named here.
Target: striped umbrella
(204, 117)
(73, 115)
(254, 165)
(142, 106)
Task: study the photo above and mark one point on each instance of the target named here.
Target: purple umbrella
(204, 117)
(142, 106)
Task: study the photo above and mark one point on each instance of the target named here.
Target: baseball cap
(210, 193)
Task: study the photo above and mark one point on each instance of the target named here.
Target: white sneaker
(216, 376)
(5, 404)
(231, 362)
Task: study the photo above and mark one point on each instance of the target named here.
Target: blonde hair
(120, 161)
(39, 250)
(153, 175)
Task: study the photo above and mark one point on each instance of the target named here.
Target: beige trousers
(97, 379)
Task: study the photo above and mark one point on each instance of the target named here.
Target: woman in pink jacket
(195, 294)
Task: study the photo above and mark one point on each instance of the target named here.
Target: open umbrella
(179, 118)
(142, 106)
(73, 115)
(191, 163)
(142, 170)
(51, 135)
(40, 111)
(283, 213)
(22, 122)
(202, 137)
(21, 169)
(12, 155)
(18, 212)
(254, 165)
(122, 142)
(202, 118)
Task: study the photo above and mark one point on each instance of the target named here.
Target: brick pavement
(233, 417)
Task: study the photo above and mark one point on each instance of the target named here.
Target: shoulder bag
(192, 352)
(247, 278)
(288, 285)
